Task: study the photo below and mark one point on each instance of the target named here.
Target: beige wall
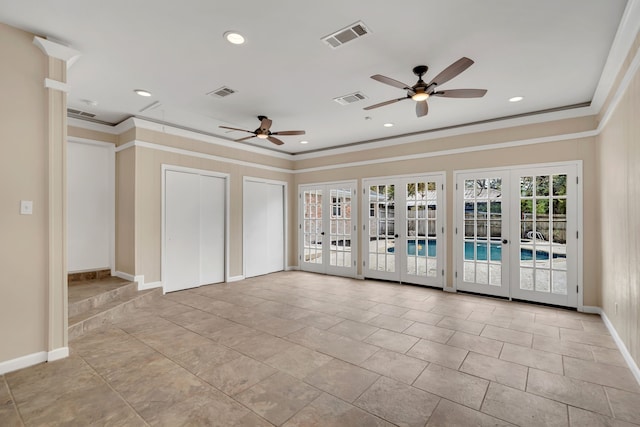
(77, 132)
(557, 151)
(125, 211)
(618, 151)
(148, 198)
(23, 172)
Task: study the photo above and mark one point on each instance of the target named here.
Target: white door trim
(226, 177)
(285, 217)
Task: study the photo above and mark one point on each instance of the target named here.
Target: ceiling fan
(420, 91)
(263, 131)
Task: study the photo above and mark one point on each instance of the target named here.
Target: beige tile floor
(299, 349)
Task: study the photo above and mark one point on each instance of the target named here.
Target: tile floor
(299, 349)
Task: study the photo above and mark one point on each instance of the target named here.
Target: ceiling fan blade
(265, 123)
(461, 93)
(422, 108)
(451, 71)
(245, 138)
(289, 132)
(275, 140)
(382, 104)
(242, 130)
(390, 81)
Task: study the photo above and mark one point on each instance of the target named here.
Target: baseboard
(234, 279)
(359, 277)
(23, 362)
(633, 366)
(150, 285)
(125, 276)
(589, 309)
(448, 289)
(292, 268)
(57, 354)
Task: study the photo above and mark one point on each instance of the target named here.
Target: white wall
(90, 206)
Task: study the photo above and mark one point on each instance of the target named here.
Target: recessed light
(142, 92)
(388, 125)
(304, 142)
(516, 99)
(233, 37)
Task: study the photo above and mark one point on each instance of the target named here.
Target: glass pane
(496, 210)
(482, 210)
(422, 228)
(495, 184)
(469, 187)
(559, 209)
(542, 256)
(469, 271)
(559, 254)
(542, 231)
(526, 186)
(468, 251)
(560, 232)
(542, 280)
(372, 261)
(481, 185)
(526, 279)
(526, 209)
(482, 273)
(422, 266)
(559, 283)
(496, 229)
(481, 229)
(542, 209)
(469, 210)
(432, 249)
(432, 266)
(559, 185)
(469, 229)
(481, 252)
(495, 274)
(542, 186)
(526, 230)
(347, 210)
(496, 252)
(411, 265)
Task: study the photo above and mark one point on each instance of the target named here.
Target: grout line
(13, 399)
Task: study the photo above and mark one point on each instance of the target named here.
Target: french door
(517, 233)
(327, 228)
(404, 229)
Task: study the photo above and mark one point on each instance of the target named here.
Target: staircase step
(113, 308)
(87, 296)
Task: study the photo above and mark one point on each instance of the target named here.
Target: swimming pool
(495, 251)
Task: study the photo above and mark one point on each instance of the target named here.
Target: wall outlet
(26, 207)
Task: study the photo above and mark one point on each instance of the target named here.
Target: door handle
(322, 234)
(505, 241)
(396, 236)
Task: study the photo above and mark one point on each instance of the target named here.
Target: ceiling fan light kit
(421, 91)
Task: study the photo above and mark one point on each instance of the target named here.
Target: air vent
(350, 99)
(222, 92)
(346, 35)
(78, 113)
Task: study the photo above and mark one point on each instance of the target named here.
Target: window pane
(559, 284)
(559, 185)
(542, 280)
(526, 186)
(526, 279)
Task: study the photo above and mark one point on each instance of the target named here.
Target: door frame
(364, 216)
(285, 218)
(167, 167)
(578, 164)
(326, 269)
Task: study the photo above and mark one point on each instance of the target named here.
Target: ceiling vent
(222, 92)
(350, 99)
(346, 35)
(77, 113)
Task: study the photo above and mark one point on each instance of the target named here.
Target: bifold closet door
(194, 230)
(263, 207)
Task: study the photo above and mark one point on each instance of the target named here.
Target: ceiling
(551, 52)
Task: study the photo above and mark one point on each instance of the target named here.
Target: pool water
(495, 251)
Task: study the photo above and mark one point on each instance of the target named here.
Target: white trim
(234, 279)
(57, 354)
(621, 346)
(87, 141)
(191, 134)
(464, 150)
(292, 268)
(154, 146)
(620, 92)
(22, 362)
(625, 36)
(126, 146)
(56, 85)
(150, 285)
(57, 50)
(125, 276)
(98, 127)
(589, 309)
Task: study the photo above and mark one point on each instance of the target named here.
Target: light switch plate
(26, 207)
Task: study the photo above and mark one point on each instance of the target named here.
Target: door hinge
(300, 195)
(456, 274)
(577, 289)
(364, 191)
(442, 186)
(577, 236)
(577, 179)
(300, 226)
(442, 230)
(456, 230)
(443, 271)
(300, 257)
(363, 263)
(354, 263)
(363, 227)
(456, 185)
(354, 228)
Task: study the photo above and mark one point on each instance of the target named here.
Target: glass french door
(516, 233)
(327, 229)
(404, 229)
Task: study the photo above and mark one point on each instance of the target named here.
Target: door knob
(396, 236)
(505, 241)
(322, 234)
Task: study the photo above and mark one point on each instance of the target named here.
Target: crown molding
(57, 50)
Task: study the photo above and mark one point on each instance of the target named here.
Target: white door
(404, 229)
(327, 231)
(516, 233)
(263, 227)
(194, 230)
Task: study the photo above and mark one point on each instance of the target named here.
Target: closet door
(182, 231)
(263, 229)
(194, 230)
